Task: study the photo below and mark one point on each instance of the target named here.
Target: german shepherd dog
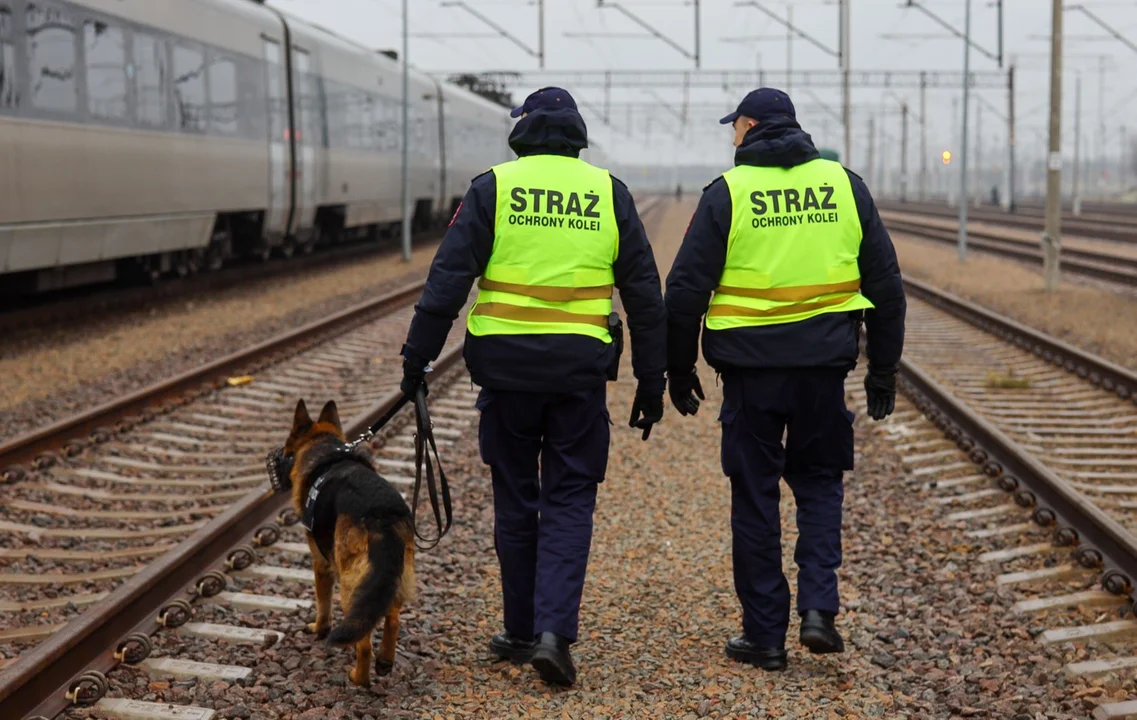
(359, 532)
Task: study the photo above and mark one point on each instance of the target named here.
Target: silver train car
(170, 136)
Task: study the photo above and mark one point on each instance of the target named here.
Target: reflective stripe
(791, 294)
(740, 311)
(547, 292)
(506, 311)
(793, 247)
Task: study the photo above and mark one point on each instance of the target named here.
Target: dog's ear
(330, 414)
(301, 421)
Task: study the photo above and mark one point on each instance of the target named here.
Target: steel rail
(1113, 268)
(99, 422)
(36, 685)
(69, 304)
(1101, 541)
(1119, 229)
(1056, 504)
(1099, 371)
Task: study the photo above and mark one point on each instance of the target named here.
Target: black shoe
(509, 647)
(553, 661)
(767, 658)
(819, 634)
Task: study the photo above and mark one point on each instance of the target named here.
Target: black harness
(315, 505)
(279, 466)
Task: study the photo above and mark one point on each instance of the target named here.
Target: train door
(280, 190)
(307, 139)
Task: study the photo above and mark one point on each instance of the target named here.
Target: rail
(99, 423)
(37, 684)
(1101, 542)
(1104, 266)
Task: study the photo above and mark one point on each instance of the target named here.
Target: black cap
(548, 98)
(762, 104)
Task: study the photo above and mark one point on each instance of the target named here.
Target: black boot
(767, 658)
(509, 647)
(819, 634)
(552, 660)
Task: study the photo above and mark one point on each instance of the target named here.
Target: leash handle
(378, 424)
(425, 446)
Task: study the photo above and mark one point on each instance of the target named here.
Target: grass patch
(1007, 380)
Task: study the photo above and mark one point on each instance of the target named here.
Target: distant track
(1120, 227)
(1105, 266)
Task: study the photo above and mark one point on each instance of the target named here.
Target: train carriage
(158, 136)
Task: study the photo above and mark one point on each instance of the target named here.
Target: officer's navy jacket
(829, 340)
(546, 362)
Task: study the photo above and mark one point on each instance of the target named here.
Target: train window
(278, 108)
(9, 89)
(251, 102)
(151, 79)
(190, 99)
(223, 95)
(106, 70)
(51, 58)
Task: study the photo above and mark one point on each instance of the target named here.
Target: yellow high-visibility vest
(793, 245)
(555, 240)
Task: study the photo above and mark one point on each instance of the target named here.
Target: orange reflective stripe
(506, 311)
(740, 311)
(791, 294)
(548, 292)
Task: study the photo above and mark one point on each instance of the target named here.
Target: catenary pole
(923, 137)
(1009, 201)
(406, 137)
(904, 152)
(846, 36)
(1078, 145)
(1052, 235)
(963, 192)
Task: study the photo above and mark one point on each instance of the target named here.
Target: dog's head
(286, 465)
(305, 432)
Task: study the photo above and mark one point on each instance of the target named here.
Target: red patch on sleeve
(455, 215)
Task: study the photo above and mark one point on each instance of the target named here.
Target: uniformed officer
(785, 255)
(549, 235)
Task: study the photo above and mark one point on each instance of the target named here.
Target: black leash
(279, 466)
(424, 447)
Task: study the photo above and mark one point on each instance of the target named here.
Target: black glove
(880, 389)
(647, 410)
(414, 375)
(685, 391)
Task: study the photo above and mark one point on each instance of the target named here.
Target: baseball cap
(761, 104)
(547, 98)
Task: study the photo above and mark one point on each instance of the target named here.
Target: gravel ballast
(928, 634)
(1093, 316)
(50, 373)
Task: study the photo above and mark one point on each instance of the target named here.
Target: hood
(779, 142)
(549, 132)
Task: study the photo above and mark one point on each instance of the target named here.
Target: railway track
(141, 514)
(1120, 269)
(1028, 447)
(193, 474)
(24, 312)
(1118, 226)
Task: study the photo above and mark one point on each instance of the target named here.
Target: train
(154, 138)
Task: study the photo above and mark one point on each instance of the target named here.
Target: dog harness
(320, 507)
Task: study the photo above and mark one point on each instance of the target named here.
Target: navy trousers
(807, 407)
(547, 453)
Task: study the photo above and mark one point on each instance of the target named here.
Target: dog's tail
(373, 596)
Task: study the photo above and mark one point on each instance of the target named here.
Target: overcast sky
(743, 38)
